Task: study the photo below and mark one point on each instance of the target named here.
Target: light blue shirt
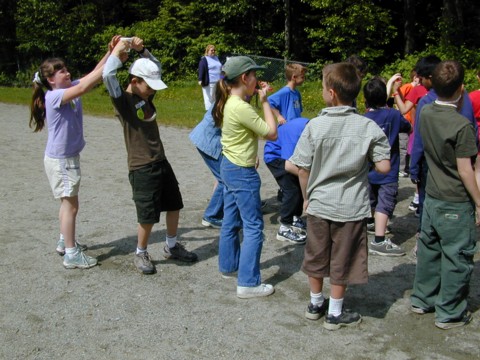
(206, 137)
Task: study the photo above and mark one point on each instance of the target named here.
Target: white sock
(335, 306)
(140, 251)
(415, 198)
(171, 241)
(317, 299)
(61, 237)
(69, 252)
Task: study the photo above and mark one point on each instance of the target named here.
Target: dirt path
(184, 311)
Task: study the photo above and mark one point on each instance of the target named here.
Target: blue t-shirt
(288, 135)
(288, 102)
(392, 123)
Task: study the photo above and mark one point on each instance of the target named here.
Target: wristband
(141, 51)
(394, 94)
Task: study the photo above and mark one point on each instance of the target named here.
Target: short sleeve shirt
(446, 135)
(336, 148)
(65, 125)
(240, 131)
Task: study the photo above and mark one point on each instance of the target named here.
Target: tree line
(314, 31)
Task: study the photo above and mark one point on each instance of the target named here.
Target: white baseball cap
(148, 71)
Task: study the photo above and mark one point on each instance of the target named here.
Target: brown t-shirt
(140, 129)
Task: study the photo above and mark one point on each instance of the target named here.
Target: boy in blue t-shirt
(292, 227)
(384, 187)
(286, 103)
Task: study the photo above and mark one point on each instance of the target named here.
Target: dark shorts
(337, 250)
(383, 198)
(155, 189)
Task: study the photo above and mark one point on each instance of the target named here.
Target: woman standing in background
(209, 70)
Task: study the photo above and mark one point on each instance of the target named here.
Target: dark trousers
(292, 200)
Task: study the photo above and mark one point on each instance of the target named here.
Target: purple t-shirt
(65, 125)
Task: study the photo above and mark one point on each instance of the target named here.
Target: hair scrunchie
(36, 78)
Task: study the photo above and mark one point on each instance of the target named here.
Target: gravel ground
(185, 311)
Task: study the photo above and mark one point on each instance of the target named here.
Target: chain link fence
(275, 68)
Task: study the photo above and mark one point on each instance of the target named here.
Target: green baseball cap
(238, 65)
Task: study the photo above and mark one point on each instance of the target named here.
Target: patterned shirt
(336, 148)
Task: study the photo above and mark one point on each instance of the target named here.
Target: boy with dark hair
(292, 227)
(332, 157)
(286, 103)
(418, 164)
(154, 185)
(384, 188)
(452, 205)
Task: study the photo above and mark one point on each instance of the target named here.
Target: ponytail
(37, 106)
(222, 90)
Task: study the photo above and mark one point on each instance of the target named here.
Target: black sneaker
(315, 312)
(346, 318)
(143, 263)
(178, 252)
(413, 206)
(291, 236)
(450, 324)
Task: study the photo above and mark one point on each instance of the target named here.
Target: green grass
(181, 104)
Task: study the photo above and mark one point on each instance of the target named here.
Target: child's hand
(121, 50)
(137, 44)
(281, 120)
(113, 42)
(263, 88)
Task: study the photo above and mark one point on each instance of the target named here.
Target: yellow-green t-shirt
(240, 131)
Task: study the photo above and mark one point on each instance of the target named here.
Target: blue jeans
(214, 210)
(242, 205)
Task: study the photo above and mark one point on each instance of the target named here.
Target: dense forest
(314, 31)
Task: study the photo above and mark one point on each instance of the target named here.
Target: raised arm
(86, 83)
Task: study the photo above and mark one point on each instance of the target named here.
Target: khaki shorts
(337, 250)
(63, 175)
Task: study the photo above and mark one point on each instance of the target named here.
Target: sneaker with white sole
(213, 223)
(315, 312)
(143, 263)
(413, 206)
(346, 318)
(79, 260)
(61, 247)
(299, 224)
(450, 324)
(291, 236)
(178, 252)
(385, 248)
(247, 292)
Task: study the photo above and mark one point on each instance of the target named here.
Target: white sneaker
(246, 292)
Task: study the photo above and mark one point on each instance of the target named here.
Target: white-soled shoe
(246, 292)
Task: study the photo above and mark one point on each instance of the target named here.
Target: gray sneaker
(385, 248)
(143, 262)
(292, 236)
(178, 252)
(79, 260)
(61, 247)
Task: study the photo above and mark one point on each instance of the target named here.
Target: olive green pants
(444, 258)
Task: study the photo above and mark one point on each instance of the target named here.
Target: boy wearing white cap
(154, 185)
